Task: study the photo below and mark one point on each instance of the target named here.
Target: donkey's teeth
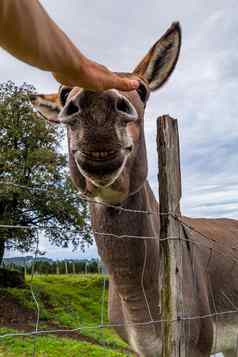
(100, 154)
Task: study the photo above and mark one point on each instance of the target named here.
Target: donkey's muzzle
(99, 163)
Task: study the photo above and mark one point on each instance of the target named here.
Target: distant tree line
(60, 267)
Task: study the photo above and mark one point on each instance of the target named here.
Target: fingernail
(134, 83)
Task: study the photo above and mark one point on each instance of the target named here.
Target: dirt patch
(13, 315)
(11, 278)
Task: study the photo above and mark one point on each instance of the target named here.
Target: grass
(52, 346)
(67, 301)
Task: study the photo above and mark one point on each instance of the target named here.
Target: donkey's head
(107, 153)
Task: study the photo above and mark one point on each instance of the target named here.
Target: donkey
(108, 164)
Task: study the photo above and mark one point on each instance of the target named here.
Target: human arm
(28, 33)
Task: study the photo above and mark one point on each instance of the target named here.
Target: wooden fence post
(171, 230)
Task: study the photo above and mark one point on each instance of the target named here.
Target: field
(66, 302)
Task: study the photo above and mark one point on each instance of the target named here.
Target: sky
(201, 93)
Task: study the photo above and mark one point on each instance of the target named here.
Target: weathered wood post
(171, 247)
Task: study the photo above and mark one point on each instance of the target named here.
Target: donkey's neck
(133, 265)
(130, 260)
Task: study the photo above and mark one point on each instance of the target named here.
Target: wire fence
(212, 246)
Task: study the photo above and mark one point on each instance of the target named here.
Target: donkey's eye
(142, 91)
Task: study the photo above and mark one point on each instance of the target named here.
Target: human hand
(96, 77)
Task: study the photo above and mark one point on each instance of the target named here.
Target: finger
(125, 84)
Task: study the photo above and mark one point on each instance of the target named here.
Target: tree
(30, 157)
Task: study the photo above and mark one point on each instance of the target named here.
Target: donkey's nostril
(126, 109)
(123, 106)
(71, 108)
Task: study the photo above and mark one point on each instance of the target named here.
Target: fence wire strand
(122, 324)
(37, 305)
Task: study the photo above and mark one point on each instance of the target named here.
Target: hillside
(66, 302)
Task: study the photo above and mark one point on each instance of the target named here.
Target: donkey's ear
(47, 106)
(160, 61)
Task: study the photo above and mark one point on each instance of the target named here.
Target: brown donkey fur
(108, 163)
